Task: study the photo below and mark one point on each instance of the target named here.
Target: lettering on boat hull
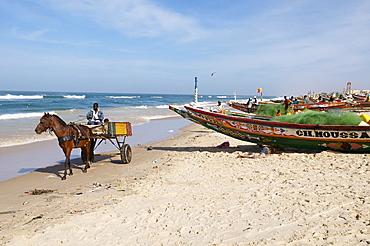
(332, 134)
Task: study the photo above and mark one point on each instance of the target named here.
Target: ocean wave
(119, 97)
(162, 106)
(157, 117)
(74, 97)
(10, 96)
(141, 107)
(25, 139)
(21, 115)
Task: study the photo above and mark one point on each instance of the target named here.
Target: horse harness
(76, 138)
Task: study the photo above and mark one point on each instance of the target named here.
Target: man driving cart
(95, 116)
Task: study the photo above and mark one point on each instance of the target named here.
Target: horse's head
(45, 124)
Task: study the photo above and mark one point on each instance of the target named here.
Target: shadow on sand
(58, 169)
(243, 148)
(240, 148)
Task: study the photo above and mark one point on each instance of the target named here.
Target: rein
(52, 130)
(76, 138)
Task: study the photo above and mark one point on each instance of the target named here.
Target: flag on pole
(259, 90)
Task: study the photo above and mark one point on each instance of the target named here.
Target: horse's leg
(85, 155)
(88, 153)
(83, 158)
(92, 147)
(67, 163)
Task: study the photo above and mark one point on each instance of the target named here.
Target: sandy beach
(185, 191)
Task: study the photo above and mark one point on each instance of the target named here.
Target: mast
(196, 91)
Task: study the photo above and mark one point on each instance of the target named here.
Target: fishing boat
(360, 97)
(242, 107)
(184, 113)
(272, 135)
(321, 106)
(362, 105)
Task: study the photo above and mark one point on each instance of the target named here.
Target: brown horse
(69, 137)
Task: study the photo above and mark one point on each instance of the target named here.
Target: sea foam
(74, 97)
(21, 115)
(12, 97)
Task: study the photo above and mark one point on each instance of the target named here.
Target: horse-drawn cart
(80, 136)
(116, 133)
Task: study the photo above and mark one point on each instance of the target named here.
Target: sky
(160, 46)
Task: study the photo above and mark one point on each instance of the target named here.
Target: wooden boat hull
(296, 107)
(362, 105)
(320, 106)
(242, 107)
(184, 113)
(359, 97)
(354, 139)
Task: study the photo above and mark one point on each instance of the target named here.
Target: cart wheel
(267, 150)
(126, 154)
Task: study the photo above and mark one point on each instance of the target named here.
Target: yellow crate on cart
(119, 129)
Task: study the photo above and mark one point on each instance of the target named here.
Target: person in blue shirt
(95, 116)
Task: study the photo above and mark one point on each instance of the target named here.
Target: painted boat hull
(362, 105)
(184, 113)
(296, 107)
(355, 139)
(242, 107)
(320, 106)
(359, 97)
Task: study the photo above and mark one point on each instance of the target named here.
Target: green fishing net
(334, 117)
(270, 109)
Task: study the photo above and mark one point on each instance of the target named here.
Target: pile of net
(270, 109)
(334, 117)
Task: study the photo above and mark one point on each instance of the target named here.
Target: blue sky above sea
(156, 46)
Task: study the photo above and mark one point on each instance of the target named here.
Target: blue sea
(20, 111)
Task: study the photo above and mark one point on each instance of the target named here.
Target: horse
(69, 137)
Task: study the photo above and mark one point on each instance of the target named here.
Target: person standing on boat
(218, 108)
(306, 99)
(255, 103)
(95, 116)
(249, 105)
(286, 103)
(295, 100)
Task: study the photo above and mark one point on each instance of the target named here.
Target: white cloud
(34, 35)
(139, 18)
